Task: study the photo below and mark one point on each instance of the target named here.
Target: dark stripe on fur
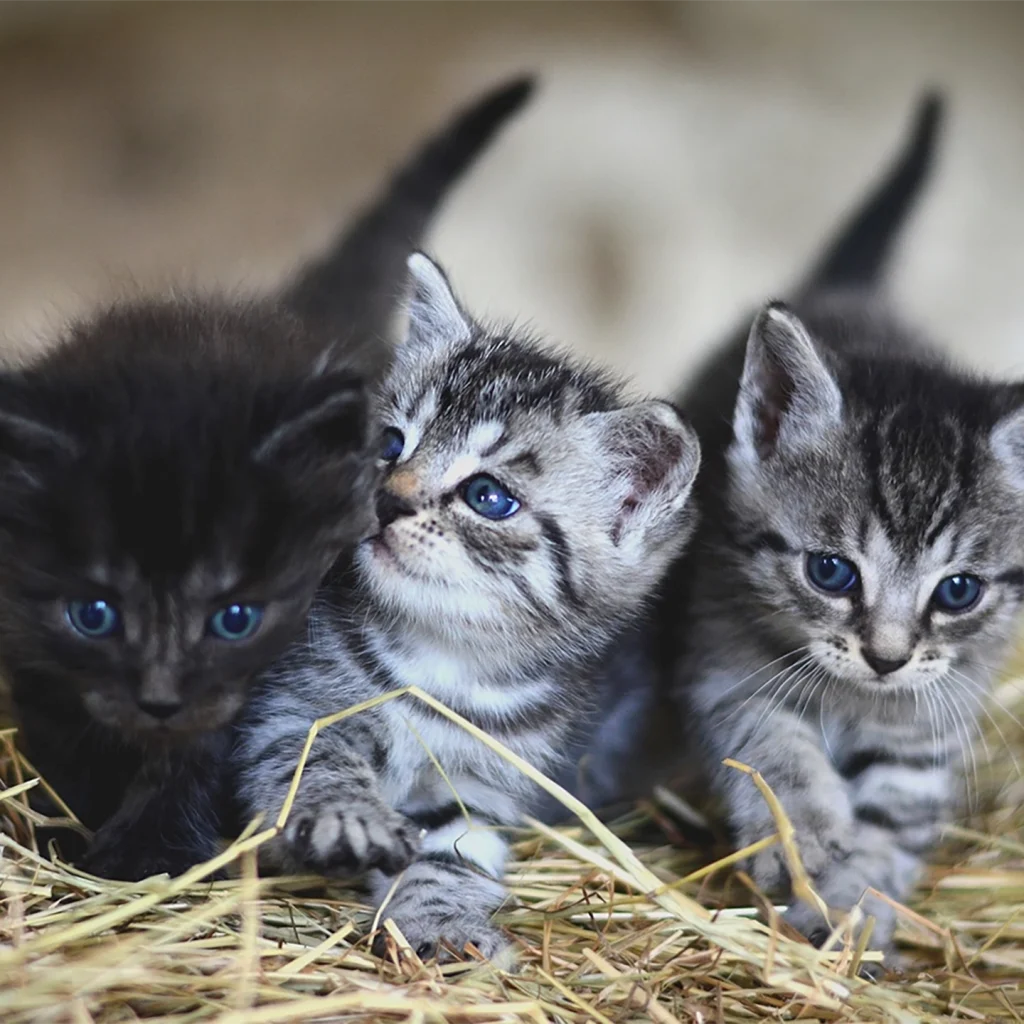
(432, 818)
(560, 550)
(862, 760)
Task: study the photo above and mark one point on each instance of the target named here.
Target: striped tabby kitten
(526, 513)
(632, 739)
(855, 581)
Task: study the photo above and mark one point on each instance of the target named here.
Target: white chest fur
(420, 739)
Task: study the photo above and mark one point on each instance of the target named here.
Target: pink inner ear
(652, 455)
(772, 403)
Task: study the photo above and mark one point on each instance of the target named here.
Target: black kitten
(175, 479)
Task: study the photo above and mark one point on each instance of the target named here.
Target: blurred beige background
(683, 160)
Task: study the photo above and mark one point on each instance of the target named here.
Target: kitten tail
(356, 286)
(859, 255)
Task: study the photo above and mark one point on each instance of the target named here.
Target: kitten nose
(883, 666)
(161, 710)
(390, 507)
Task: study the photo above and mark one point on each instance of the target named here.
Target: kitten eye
(236, 622)
(831, 573)
(391, 444)
(485, 496)
(957, 593)
(96, 620)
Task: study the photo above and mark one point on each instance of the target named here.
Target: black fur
(175, 457)
(366, 270)
(171, 459)
(860, 254)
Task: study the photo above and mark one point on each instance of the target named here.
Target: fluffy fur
(850, 438)
(167, 461)
(501, 618)
(631, 740)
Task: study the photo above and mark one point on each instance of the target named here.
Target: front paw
(439, 918)
(824, 842)
(809, 922)
(349, 837)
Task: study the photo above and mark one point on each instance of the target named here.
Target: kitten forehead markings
(485, 438)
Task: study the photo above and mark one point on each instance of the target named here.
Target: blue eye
(831, 573)
(236, 622)
(484, 495)
(392, 443)
(957, 593)
(96, 620)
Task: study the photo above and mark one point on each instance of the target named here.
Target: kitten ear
(328, 417)
(434, 312)
(29, 445)
(787, 394)
(1007, 440)
(655, 452)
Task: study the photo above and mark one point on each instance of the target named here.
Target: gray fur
(850, 437)
(632, 739)
(501, 620)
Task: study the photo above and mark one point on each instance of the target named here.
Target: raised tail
(859, 255)
(352, 291)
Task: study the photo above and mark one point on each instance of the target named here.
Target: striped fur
(850, 438)
(632, 740)
(501, 620)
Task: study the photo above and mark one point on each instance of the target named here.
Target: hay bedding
(609, 925)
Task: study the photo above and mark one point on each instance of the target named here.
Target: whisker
(959, 681)
(986, 697)
(829, 683)
(782, 675)
(966, 748)
(780, 700)
(774, 661)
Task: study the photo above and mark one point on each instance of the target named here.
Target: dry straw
(609, 924)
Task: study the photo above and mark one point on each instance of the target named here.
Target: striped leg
(340, 823)
(448, 895)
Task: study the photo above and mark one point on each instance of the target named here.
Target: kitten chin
(176, 477)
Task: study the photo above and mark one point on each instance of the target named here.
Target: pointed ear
(29, 446)
(788, 397)
(655, 455)
(1007, 442)
(434, 313)
(327, 418)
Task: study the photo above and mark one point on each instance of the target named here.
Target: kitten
(854, 586)
(177, 478)
(526, 513)
(631, 741)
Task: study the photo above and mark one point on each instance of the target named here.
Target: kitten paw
(446, 936)
(349, 837)
(809, 922)
(441, 908)
(824, 844)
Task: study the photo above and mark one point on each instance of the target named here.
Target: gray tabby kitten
(855, 581)
(526, 513)
(631, 739)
